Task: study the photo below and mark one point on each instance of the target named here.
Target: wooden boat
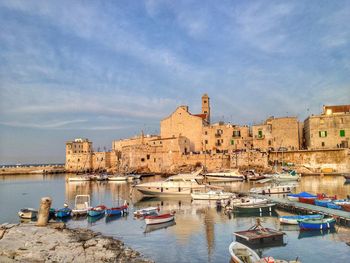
(117, 210)
(159, 219)
(322, 202)
(273, 189)
(28, 213)
(97, 210)
(312, 224)
(82, 205)
(333, 205)
(151, 228)
(307, 200)
(211, 195)
(247, 201)
(147, 211)
(293, 220)
(231, 175)
(64, 212)
(259, 236)
(295, 197)
(256, 208)
(241, 253)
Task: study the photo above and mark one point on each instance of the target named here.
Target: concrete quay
(32, 169)
(55, 243)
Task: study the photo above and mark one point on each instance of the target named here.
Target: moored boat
(64, 212)
(97, 210)
(230, 175)
(287, 176)
(256, 208)
(120, 210)
(295, 197)
(333, 205)
(159, 219)
(181, 184)
(241, 253)
(118, 178)
(293, 220)
(345, 207)
(211, 195)
(322, 202)
(312, 224)
(273, 189)
(28, 213)
(307, 200)
(82, 205)
(80, 178)
(147, 211)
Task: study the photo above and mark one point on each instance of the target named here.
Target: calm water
(200, 234)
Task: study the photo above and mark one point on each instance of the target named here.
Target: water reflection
(151, 228)
(315, 233)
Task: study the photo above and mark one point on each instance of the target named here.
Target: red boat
(158, 219)
(307, 200)
(346, 207)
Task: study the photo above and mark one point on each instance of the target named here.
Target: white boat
(119, 178)
(211, 195)
(181, 184)
(80, 178)
(147, 211)
(242, 254)
(273, 189)
(293, 220)
(230, 175)
(27, 213)
(287, 176)
(82, 205)
(247, 201)
(159, 219)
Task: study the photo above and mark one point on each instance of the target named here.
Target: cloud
(42, 125)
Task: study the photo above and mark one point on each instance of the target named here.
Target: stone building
(329, 130)
(183, 123)
(277, 134)
(221, 137)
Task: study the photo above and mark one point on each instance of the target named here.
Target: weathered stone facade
(330, 130)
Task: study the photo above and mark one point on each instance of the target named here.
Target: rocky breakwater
(55, 243)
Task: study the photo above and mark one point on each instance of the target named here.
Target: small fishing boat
(147, 211)
(230, 175)
(246, 201)
(64, 212)
(119, 178)
(97, 210)
(287, 176)
(117, 210)
(295, 197)
(211, 195)
(241, 253)
(251, 175)
(151, 228)
(312, 224)
(257, 208)
(345, 207)
(323, 202)
(307, 200)
(82, 205)
(159, 219)
(80, 178)
(334, 205)
(28, 213)
(102, 177)
(273, 189)
(293, 220)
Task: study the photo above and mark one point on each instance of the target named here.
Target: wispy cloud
(42, 125)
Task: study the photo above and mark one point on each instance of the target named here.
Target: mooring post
(44, 211)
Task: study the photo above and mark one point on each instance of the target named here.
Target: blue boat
(295, 197)
(97, 210)
(333, 206)
(63, 212)
(316, 224)
(293, 220)
(322, 202)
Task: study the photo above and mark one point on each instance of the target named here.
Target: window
(232, 142)
(322, 134)
(148, 156)
(270, 142)
(142, 159)
(323, 144)
(341, 120)
(222, 140)
(342, 133)
(205, 133)
(206, 141)
(236, 133)
(205, 101)
(260, 134)
(205, 111)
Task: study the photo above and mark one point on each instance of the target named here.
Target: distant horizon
(108, 70)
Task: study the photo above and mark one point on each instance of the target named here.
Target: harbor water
(200, 233)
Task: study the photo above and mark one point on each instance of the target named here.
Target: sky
(106, 70)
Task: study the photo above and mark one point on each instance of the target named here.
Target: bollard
(44, 211)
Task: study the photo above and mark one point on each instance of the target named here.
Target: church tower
(206, 107)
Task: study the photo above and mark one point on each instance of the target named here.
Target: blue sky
(108, 69)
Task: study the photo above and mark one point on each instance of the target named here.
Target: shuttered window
(342, 133)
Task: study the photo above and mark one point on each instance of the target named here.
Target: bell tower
(206, 107)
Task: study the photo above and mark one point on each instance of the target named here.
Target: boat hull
(253, 256)
(63, 213)
(307, 200)
(28, 213)
(316, 224)
(293, 220)
(322, 203)
(254, 208)
(159, 219)
(346, 207)
(166, 191)
(211, 196)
